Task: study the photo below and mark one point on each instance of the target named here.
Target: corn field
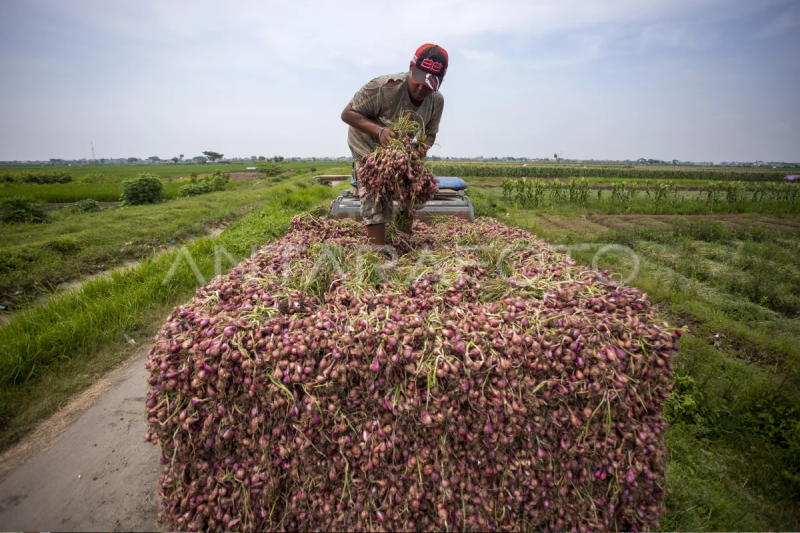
(537, 193)
(762, 193)
(533, 193)
(443, 168)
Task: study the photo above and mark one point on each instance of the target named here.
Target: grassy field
(734, 280)
(50, 352)
(121, 172)
(660, 197)
(321, 166)
(166, 170)
(35, 258)
(103, 182)
(540, 170)
(73, 192)
(596, 183)
(728, 271)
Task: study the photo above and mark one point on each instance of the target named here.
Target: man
(378, 103)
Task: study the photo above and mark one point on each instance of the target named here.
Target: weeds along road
(87, 468)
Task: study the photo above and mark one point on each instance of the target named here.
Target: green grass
(690, 202)
(50, 352)
(594, 183)
(321, 166)
(111, 189)
(73, 192)
(121, 172)
(35, 258)
(538, 170)
(734, 436)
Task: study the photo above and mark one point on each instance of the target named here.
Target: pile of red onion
(475, 388)
(397, 172)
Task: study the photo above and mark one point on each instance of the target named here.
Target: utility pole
(94, 159)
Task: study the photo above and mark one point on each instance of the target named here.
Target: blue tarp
(793, 177)
(452, 183)
(443, 182)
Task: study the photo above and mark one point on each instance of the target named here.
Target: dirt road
(98, 474)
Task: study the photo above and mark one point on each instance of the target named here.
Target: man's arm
(361, 123)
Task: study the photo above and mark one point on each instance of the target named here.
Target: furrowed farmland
(605, 348)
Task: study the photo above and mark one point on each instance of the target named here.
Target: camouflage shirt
(382, 104)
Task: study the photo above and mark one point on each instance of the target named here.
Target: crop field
(116, 173)
(654, 197)
(54, 350)
(729, 269)
(36, 258)
(717, 250)
(103, 182)
(617, 172)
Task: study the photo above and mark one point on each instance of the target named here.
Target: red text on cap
(433, 66)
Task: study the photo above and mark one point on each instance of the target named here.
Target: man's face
(418, 91)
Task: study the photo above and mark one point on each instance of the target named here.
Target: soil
(544, 223)
(245, 176)
(578, 225)
(88, 467)
(733, 220)
(611, 221)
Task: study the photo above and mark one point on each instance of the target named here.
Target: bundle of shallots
(397, 171)
(483, 383)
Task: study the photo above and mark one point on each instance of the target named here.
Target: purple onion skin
(410, 406)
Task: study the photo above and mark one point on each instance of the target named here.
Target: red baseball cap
(430, 65)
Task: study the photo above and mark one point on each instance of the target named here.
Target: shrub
(219, 180)
(269, 169)
(10, 262)
(213, 183)
(63, 246)
(21, 209)
(40, 177)
(194, 189)
(143, 189)
(86, 206)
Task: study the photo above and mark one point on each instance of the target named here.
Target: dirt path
(87, 468)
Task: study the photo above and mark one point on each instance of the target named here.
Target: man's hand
(386, 135)
(424, 147)
(361, 123)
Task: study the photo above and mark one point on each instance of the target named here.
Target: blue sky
(702, 80)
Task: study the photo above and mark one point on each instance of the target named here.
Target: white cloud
(249, 77)
(323, 35)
